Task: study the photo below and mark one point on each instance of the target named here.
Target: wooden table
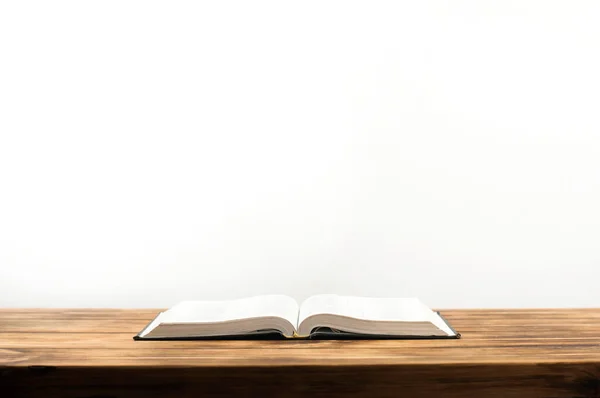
(503, 353)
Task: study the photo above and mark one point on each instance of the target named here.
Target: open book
(321, 316)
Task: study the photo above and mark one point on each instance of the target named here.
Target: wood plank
(123, 340)
(49, 321)
(498, 380)
(301, 354)
(61, 313)
(149, 313)
(503, 353)
(73, 325)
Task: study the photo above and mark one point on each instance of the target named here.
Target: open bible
(322, 316)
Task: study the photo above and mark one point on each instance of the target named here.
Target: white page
(221, 311)
(371, 309)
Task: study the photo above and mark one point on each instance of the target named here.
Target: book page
(366, 308)
(222, 311)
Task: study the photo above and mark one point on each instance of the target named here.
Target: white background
(152, 152)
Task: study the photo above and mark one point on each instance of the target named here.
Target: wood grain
(503, 353)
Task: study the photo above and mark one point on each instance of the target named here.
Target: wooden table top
(103, 337)
(502, 353)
